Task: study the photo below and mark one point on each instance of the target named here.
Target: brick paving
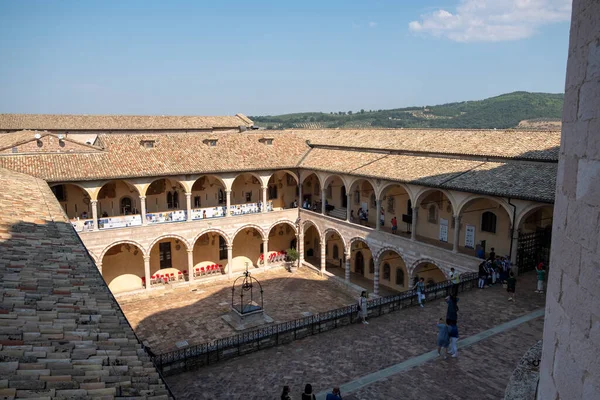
(195, 316)
(348, 353)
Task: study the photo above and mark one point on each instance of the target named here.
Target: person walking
(335, 394)
(511, 284)
(453, 335)
(482, 275)
(285, 394)
(541, 276)
(308, 393)
(443, 338)
(394, 225)
(452, 312)
(420, 288)
(362, 307)
(455, 279)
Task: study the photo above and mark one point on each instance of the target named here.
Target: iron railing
(273, 335)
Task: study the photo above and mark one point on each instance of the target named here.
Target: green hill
(504, 111)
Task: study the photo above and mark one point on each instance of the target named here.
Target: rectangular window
(212, 143)
(197, 202)
(221, 197)
(148, 144)
(222, 248)
(15, 150)
(248, 197)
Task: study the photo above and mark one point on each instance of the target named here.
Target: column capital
(265, 239)
(190, 250)
(457, 217)
(94, 202)
(142, 197)
(229, 247)
(146, 258)
(227, 191)
(188, 194)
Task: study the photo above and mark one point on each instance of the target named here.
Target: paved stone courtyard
(349, 353)
(195, 316)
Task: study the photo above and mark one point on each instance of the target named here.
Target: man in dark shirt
(511, 285)
(492, 256)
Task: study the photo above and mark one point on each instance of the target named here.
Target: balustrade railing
(285, 332)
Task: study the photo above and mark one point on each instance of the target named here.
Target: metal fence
(533, 248)
(285, 332)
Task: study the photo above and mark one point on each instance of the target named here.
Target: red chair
(203, 270)
(197, 272)
(165, 279)
(143, 281)
(153, 279)
(179, 275)
(172, 277)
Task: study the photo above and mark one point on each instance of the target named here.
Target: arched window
(432, 214)
(488, 222)
(359, 263)
(169, 200)
(125, 206)
(175, 200)
(399, 277)
(386, 271)
(336, 252)
(371, 266)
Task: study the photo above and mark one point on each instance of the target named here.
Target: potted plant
(292, 257)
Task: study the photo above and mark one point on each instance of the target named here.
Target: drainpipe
(512, 229)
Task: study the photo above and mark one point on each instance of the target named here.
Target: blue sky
(271, 57)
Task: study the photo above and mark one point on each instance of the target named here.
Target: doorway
(165, 255)
(344, 197)
(359, 264)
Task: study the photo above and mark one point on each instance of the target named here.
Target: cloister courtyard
(495, 334)
(193, 312)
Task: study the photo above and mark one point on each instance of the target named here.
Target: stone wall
(570, 363)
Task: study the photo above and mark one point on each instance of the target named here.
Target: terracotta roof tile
(542, 145)
(117, 122)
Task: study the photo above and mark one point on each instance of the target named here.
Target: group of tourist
(308, 394)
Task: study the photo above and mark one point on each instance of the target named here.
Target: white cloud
(493, 20)
(372, 24)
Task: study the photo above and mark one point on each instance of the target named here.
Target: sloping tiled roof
(117, 122)
(525, 180)
(63, 334)
(538, 145)
(13, 139)
(174, 154)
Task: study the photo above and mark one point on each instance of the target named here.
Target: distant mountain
(511, 110)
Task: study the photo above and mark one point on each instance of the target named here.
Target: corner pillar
(95, 213)
(265, 253)
(456, 234)
(323, 200)
(190, 255)
(323, 255)
(415, 219)
(188, 204)
(228, 203)
(229, 261)
(147, 271)
(348, 206)
(378, 215)
(143, 209)
(264, 199)
(347, 256)
(376, 277)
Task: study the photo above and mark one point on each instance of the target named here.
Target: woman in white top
(362, 307)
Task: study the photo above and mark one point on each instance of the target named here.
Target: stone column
(323, 255)
(415, 219)
(264, 199)
(228, 202)
(323, 201)
(299, 195)
(348, 206)
(95, 213)
(147, 271)
(143, 209)
(569, 366)
(456, 234)
(300, 244)
(266, 252)
(378, 215)
(229, 261)
(347, 256)
(188, 203)
(190, 254)
(376, 277)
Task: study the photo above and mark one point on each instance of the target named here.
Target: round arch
(283, 221)
(381, 251)
(357, 239)
(294, 175)
(148, 184)
(131, 242)
(212, 230)
(254, 174)
(304, 227)
(308, 175)
(258, 228)
(168, 236)
(527, 211)
(418, 198)
(356, 179)
(331, 177)
(421, 261)
(87, 191)
(333, 230)
(393, 266)
(218, 178)
(474, 197)
(388, 185)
